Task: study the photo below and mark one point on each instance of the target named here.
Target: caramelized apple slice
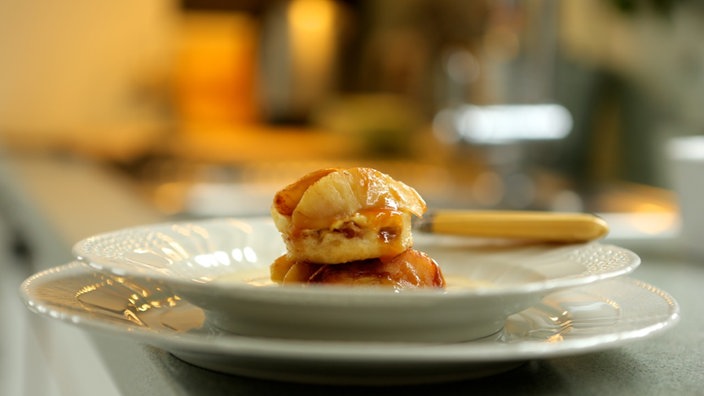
(410, 269)
(324, 196)
(286, 200)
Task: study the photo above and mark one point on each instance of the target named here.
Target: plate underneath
(368, 373)
(594, 317)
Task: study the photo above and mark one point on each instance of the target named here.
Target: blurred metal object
(496, 101)
(499, 124)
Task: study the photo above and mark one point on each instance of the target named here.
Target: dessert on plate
(351, 227)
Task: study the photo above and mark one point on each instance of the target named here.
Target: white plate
(589, 318)
(222, 266)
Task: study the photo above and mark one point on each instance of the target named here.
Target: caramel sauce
(388, 225)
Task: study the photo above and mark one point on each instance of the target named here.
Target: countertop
(47, 203)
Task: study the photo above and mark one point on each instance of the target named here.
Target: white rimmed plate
(577, 320)
(221, 265)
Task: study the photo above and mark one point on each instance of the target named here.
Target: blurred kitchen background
(114, 114)
(207, 105)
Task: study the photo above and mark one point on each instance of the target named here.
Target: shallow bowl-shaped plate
(222, 265)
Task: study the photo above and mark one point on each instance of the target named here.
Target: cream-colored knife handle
(532, 225)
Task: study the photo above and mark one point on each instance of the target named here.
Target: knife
(561, 227)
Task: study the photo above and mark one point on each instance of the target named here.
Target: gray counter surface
(48, 203)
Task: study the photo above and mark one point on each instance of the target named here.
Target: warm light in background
(653, 219)
(216, 68)
(312, 42)
(311, 16)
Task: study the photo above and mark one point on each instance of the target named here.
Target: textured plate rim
(532, 287)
